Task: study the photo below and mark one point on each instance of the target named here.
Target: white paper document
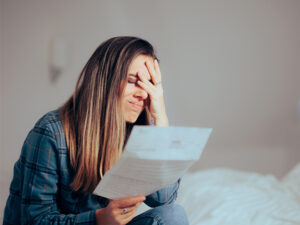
(153, 158)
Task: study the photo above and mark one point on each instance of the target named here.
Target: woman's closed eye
(132, 80)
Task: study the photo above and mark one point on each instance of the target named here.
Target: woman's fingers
(146, 87)
(114, 213)
(152, 72)
(146, 84)
(142, 77)
(129, 216)
(128, 202)
(157, 69)
(129, 209)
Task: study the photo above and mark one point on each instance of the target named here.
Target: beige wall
(1, 71)
(231, 65)
(3, 182)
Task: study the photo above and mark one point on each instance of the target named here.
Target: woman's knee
(170, 214)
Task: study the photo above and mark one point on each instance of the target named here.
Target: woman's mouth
(136, 105)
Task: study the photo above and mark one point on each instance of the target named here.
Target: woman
(69, 149)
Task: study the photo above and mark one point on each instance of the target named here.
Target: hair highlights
(93, 119)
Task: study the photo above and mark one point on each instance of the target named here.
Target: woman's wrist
(161, 121)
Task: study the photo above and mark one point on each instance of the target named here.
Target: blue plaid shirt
(40, 190)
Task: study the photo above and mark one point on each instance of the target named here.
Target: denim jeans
(172, 214)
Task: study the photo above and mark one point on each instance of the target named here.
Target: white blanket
(231, 197)
(224, 196)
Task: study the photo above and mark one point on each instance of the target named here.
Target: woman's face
(134, 96)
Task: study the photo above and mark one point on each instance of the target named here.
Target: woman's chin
(131, 120)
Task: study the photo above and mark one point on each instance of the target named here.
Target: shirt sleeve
(40, 183)
(163, 196)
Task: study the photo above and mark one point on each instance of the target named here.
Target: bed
(231, 197)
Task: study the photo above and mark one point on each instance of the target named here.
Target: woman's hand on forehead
(145, 72)
(154, 88)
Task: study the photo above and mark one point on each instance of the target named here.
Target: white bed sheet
(230, 197)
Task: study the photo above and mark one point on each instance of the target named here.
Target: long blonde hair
(95, 129)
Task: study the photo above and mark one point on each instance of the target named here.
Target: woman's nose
(140, 93)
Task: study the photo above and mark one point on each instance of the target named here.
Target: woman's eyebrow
(134, 75)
